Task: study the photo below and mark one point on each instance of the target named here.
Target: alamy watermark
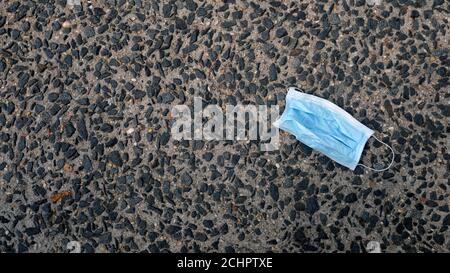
(210, 123)
(73, 2)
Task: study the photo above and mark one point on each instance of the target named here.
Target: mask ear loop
(390, 164)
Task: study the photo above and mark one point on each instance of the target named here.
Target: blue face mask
(325, 127)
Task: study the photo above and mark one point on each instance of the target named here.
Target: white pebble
(66, 24)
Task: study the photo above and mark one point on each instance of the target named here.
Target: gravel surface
(87, 159)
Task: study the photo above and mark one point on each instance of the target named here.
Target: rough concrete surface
(86, 153)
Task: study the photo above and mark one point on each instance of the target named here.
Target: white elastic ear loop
(390, 164)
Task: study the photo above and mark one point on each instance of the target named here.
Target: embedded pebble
(66, 24)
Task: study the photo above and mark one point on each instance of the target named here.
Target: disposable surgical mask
(327, 128)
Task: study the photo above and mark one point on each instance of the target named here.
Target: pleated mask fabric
(325, 127)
